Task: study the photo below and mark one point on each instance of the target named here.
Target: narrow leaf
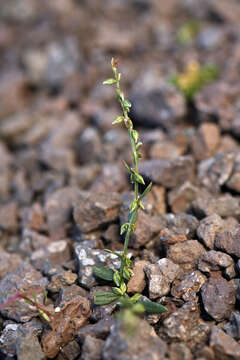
(109, 81)
(104, 298)
(153, 308)
(139, 179)
(118, 120)
(127, 166)
(146, 191)
(103, 273)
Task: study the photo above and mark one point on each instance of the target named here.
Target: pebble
(92, 211)
(218, 287)
(160, 276)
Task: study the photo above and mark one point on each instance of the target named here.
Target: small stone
(224, 205)
(23, 277)
(84, 176)
(58, 281)
(88, 146)
(65, 324)
(223, 345)
(33, 218)
(229, 242)
(170, 237)
(144, 343)
(9, 217)
(233, 327)
(87, 258)
(168, 173)
(234, 181)
(155, 201)
(92, 348)
(165, 150)
(21, 340)
(91, 210)
(181, 324)
(214, 261)
(218, 287)
(182, 223)
(99, 330)
(58, 251)
(206, 140)
(137, 282)
(8, 262)
(215, 172)
(208, 228)
(191, 249)
(66, 293)
(112, 178)
(160, 276)
(179, 351)
(229, 272)
(189, 286)
(58, 209)
(70, 351)
(180, 198)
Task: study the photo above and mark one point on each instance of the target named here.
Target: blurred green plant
(121, 278)
(194, 78)
(188, 32)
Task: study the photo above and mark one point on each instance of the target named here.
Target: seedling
(30, 297)
(121, 278)
(194, 78)
(188, 31)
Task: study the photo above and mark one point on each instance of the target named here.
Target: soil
(64, 191)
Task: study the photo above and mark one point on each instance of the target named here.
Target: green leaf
(127, 166)
(134, 205)
(103, 273)
(153, 308)
(135, 136)
(146, 191)
(124, 228)
(114, 253)
(117, 278)
(135, 298)
(117, 291)
(109, 81)
(118, 120)
(127, 103)
(104, 298)
(123, 287)
(139, 178)
(127, 273)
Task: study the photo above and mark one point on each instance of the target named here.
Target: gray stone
(222, 290)
(214, 260)
(160, 276)
(92, 211)
(224, 205)
(168, 173)
(228, 242)
(224, 346)
(191, 249)
(144, 344)
(92, 348)
(233, 327)
(87, 258)
(208, 228)
(180, 199)
(188, 287)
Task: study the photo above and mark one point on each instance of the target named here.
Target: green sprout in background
(194, 78)
(134, 304)
(188, 32)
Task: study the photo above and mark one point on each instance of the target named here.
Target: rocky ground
(64, 191)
